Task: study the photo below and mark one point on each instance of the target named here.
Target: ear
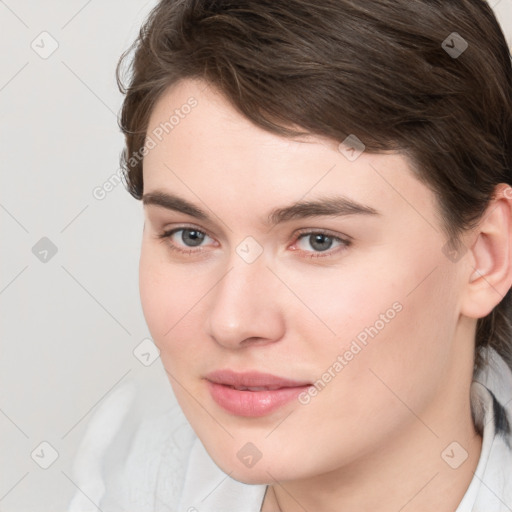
(490, 257)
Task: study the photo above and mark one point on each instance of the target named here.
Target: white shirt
(157, 464)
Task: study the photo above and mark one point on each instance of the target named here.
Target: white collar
(208, 489)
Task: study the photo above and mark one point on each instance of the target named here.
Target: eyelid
(159, 218)
(166, 232)
(323, 231)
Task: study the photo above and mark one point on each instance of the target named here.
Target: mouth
(252, 394)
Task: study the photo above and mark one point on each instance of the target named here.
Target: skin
(372, 438)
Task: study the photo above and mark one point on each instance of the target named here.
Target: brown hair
(379, 69)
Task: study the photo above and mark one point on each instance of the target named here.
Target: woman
(326, 256)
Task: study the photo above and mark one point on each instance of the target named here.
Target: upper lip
(252, 379)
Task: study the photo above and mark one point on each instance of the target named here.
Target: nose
(245, 308)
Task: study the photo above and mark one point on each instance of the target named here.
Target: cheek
(168, 296)
(171, 297)
(151, 289)
(394, 319)
(333, 306)
(161, 293)
(407, 357)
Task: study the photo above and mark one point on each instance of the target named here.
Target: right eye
(183, 238)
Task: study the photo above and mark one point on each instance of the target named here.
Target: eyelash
(344, 242)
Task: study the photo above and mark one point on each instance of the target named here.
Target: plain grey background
(71, 315)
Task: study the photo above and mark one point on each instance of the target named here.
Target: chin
(248, 477)
(264, 471)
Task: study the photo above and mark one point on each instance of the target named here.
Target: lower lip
(252, 403)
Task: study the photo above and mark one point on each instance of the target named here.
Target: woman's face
(252, 300)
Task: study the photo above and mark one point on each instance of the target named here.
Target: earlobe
(490, 272)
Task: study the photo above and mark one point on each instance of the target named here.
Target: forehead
(210, 151)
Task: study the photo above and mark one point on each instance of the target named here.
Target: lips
(252, 393)
(252, 379)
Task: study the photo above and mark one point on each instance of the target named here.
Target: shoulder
(134, 452)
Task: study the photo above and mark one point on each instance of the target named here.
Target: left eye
(319, 242)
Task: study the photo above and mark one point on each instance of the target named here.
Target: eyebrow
(334, 206)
